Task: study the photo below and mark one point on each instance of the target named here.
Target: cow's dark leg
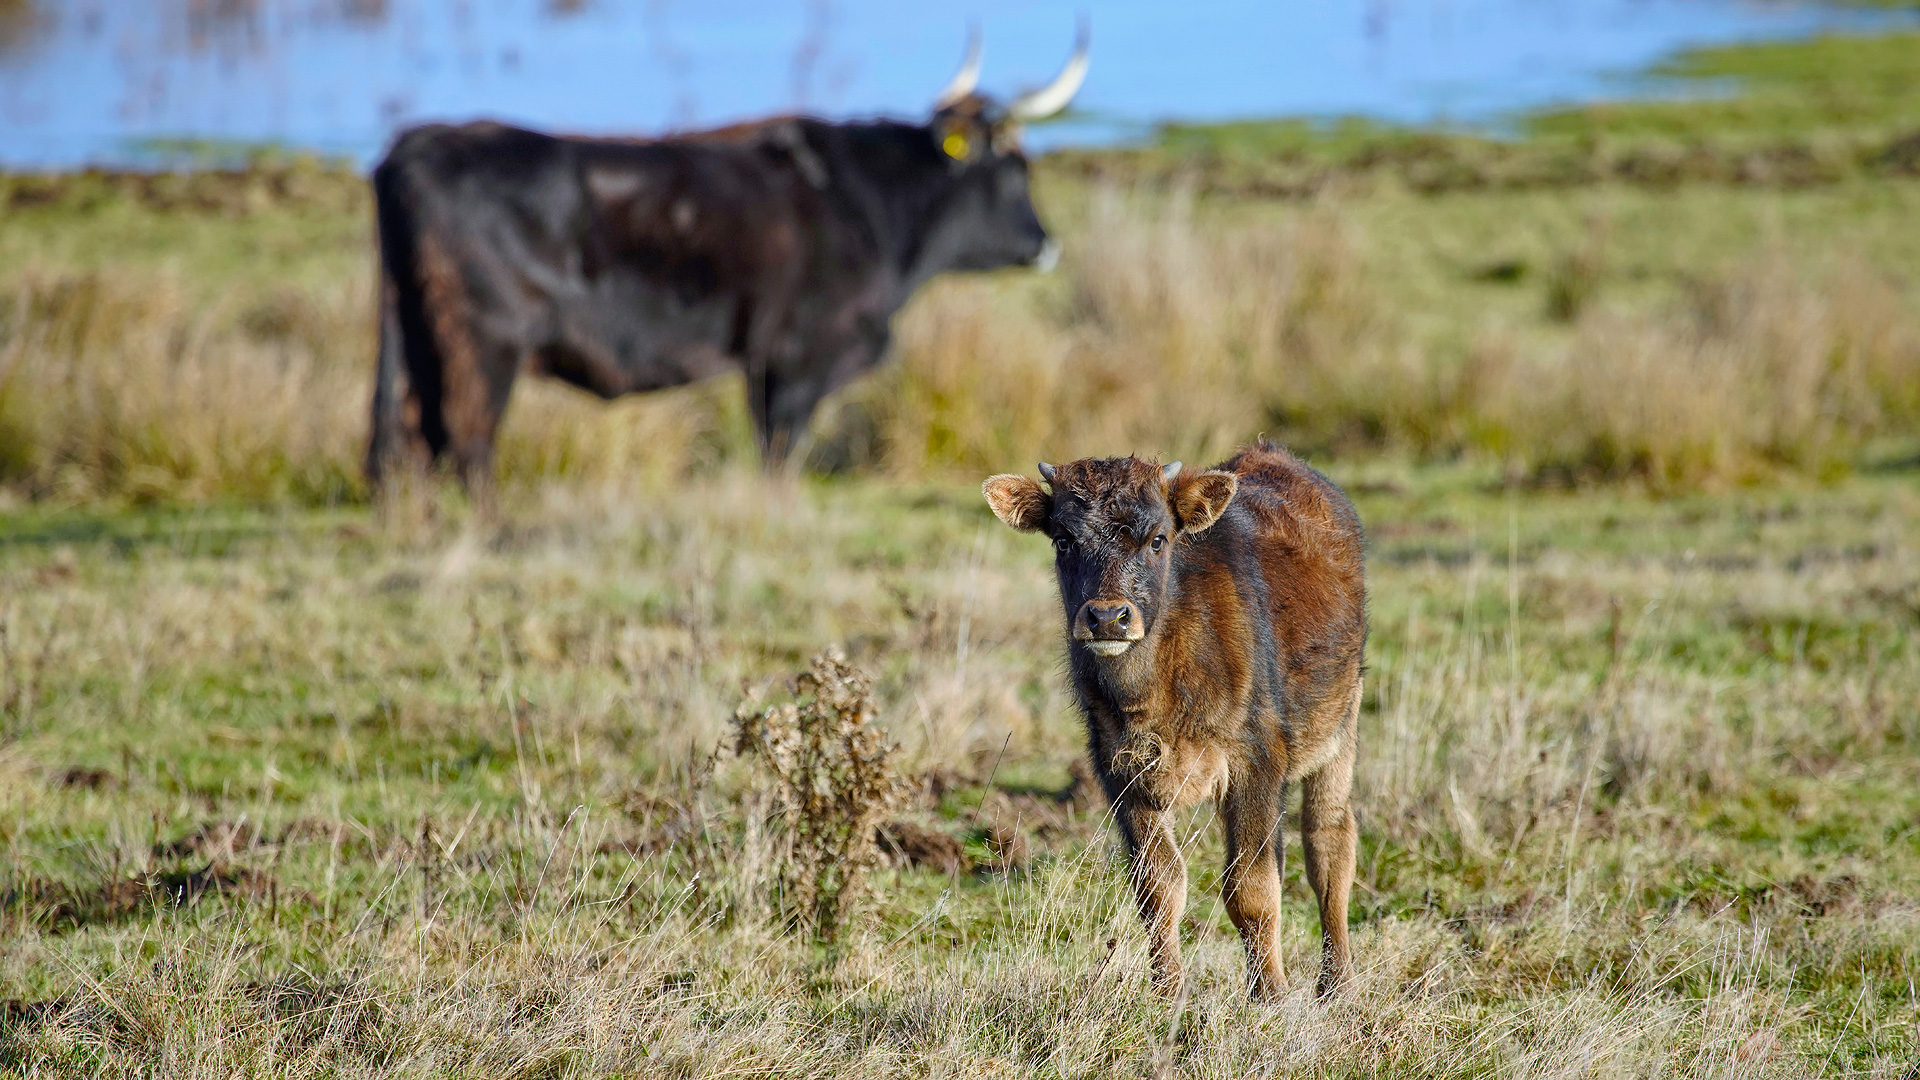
(1251, 886)
(1331, 839)
(473, 422)
(758, 384)
(782, 408)
(475, 371)
(1159, 885)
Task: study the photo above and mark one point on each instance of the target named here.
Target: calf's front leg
(1159, 886)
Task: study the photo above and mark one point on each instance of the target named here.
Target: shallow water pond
(185, 81)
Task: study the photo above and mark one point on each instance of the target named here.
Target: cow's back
(1304, 536)
(481, 176)
(1297, 514)
(619, 265)
(620, 201)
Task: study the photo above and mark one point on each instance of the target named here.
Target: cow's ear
(1004, 137)
(1200, 498)
(1018, 501)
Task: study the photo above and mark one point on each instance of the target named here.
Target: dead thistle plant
(832, 781)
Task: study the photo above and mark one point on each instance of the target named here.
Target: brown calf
(1217, 621)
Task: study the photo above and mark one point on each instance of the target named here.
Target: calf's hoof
(1331, 983)
(1264, 990)
(1169, 985)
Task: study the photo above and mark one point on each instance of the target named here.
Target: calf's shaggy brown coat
(1217, 623)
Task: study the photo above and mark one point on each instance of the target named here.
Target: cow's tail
(386, 435)
(389, 442)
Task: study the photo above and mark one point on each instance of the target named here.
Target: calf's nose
(1107, 620)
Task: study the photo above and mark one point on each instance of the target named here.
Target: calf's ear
(1199, 499)
(1018, 501)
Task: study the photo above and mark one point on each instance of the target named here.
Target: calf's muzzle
(1108, 627)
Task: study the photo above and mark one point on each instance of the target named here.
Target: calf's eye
(1159, 542)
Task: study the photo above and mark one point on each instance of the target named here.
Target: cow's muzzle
(1048, 258)
(1108, 627)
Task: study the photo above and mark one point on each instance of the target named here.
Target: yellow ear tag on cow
(955, 144)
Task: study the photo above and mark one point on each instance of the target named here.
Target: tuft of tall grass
(1183, 334)
(117, 385)
(1172, 333)
(1757, 372)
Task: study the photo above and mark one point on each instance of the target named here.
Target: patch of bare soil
(86, 779)
(62, 906)
(312, 1011)
(1013, 824)
(215, 842)
(664, 824)
(1820, 897)
(1009, 848)
(904, 844)
(17, 1014)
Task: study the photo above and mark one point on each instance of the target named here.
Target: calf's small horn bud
(1169, 472)
(1046, 472)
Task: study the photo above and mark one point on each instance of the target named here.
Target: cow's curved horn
(1046, 472)
(1053, 97)
(968, 76)
(1169, 472)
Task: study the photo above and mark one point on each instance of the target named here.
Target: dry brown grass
(116, 384)
(1183, 335)
(1169, 335)
(1177, 328)
(1760, 371)
(1636, 792)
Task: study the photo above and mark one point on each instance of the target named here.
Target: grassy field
(1630, 406)
(1639, 792)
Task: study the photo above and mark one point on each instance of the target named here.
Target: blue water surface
(159, 81)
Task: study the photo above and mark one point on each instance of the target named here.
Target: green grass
(1638, 777)
(1825, 86)
(303, 225)
(1789, 114)
(1820, 87)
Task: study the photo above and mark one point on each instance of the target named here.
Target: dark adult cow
(1216, 621)
(780, 249)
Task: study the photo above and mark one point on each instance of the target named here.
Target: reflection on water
(148, 82)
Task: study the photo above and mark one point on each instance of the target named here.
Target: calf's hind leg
(1330, 837)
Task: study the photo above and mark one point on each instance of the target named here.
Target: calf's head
(1115, 525)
